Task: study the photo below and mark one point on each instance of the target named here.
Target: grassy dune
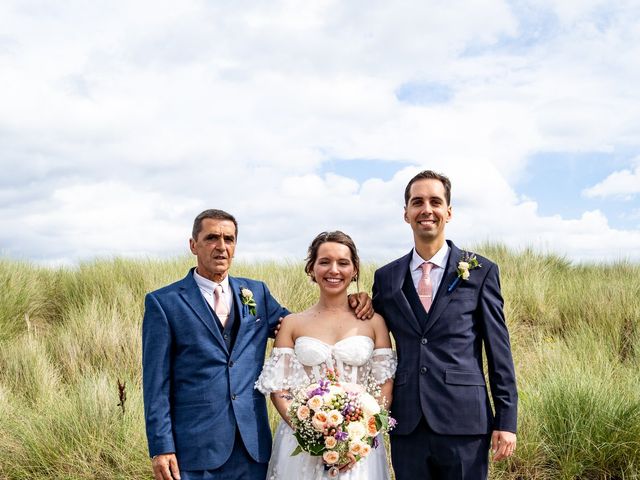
(68, 336)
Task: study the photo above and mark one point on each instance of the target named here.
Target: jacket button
(231, 363)
(424, 341)
(233, 397)
(423, 370)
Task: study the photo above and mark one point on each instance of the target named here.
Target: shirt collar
(208, 285)
(439, 259)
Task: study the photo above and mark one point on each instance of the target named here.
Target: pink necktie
(424, 286)
(220, 305)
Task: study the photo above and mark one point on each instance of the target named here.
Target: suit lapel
(398, 275)
(243, 312)
(190, 293)
(443, 297)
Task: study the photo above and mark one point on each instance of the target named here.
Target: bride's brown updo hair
(336, 237)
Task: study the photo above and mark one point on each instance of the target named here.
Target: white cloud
(624, 183)
(120, 121)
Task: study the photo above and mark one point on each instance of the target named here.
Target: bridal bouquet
(332, 420)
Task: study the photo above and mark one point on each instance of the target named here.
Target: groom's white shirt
(440, 260)
(207, 287)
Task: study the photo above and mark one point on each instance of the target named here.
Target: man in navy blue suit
(443, 306)
(203, 346)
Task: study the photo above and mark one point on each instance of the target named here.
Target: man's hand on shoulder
(165, 467)
(275, 332)
(503, 444)
(362, 304)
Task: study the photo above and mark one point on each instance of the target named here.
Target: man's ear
(405, 215)
(450, 213)
(192, 245)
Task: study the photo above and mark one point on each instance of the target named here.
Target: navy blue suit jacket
(195, 391)
(440, 366)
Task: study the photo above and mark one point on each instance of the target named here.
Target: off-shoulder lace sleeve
(383, 364)
(282, 371)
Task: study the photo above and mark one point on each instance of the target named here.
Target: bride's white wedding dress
(356, 361)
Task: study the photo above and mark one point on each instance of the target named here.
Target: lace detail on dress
(384, 362)
(282, 371)
(354, 358)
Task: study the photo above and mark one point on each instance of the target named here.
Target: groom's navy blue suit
(440, 380)
(198, 377)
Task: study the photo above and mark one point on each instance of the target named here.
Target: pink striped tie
(220, 304)
(424, 286)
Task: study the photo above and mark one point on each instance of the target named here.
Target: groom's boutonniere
(246, 296)
(467, 263)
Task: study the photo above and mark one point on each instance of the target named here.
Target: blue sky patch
(424, 93)
(556, 182)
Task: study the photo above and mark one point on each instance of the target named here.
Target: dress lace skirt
(285, 467)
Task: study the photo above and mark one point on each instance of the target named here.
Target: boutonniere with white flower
(246, 296)
(467, 263)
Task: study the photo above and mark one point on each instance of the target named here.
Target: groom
(203, 345)
(442, 313)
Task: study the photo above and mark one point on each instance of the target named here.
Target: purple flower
(392, 422)
(341, 436)
(376, 442)
(321, 390)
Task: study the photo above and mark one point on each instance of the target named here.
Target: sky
(120, 121)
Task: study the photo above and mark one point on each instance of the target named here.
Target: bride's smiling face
(334, 270)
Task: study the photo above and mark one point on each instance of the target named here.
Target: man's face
(427, 211)
(214, 248)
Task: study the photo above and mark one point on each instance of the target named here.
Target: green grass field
(67, 336)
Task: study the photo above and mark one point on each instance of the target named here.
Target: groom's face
(214, 247)
(427, 210)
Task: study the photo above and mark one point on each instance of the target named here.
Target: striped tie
(425, 291)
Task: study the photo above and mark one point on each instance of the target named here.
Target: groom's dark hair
(429, 174)
(215, 215)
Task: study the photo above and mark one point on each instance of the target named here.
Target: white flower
(356, 430)
(369, 405)
(465, 275)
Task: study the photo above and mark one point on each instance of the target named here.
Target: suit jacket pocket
(400, 379)
(458, 377)
(465, 294)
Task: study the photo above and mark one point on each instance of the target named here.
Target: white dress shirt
(207, 287)
(439, 261)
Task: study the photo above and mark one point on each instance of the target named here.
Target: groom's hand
(502, 444)
(362, 304)
(165, 467)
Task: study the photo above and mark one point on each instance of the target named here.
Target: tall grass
(68, 336)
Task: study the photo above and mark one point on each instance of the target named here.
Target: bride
(327, 336)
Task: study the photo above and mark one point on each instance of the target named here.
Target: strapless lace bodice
(354, 359)
(354, 350)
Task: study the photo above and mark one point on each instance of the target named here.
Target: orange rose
(330, 457)
(315, 403)
(356, 448)
(372, 430)
(303, 412)
(319, 421)
(366, 450)
(330, 442)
